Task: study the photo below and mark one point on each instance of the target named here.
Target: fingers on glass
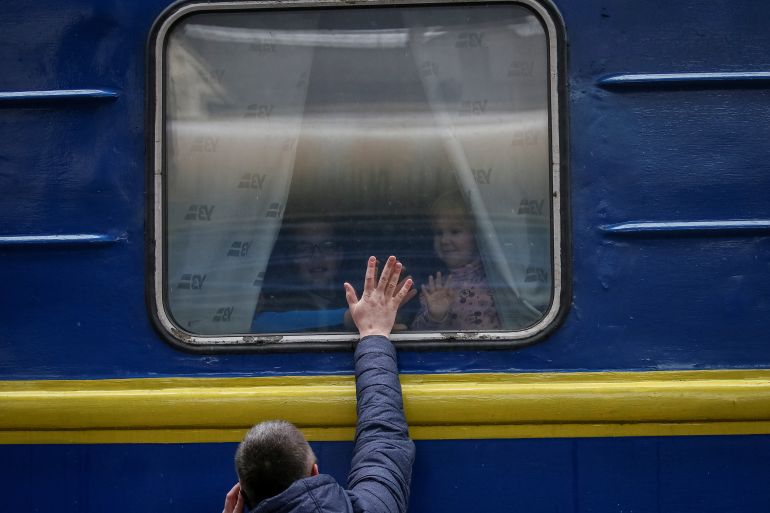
(395, 274)
(404, 289)
(370, 274)
(386, 272)
(350, 294)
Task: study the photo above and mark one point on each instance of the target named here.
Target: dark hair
(272, 455)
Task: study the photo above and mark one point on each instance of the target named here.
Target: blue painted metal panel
(708, 474)
(636, 156)
(654, 157)
(73, 239)
(674, 228)
(667, 475)
(724, 79)
(616, 474)
(60, 95)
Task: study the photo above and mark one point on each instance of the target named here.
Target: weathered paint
(437, 406)
(658, 155)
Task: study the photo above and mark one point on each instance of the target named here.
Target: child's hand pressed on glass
(438, 295)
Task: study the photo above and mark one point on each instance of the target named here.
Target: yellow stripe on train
(443, 406)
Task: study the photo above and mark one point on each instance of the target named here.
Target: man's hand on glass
(375, 312)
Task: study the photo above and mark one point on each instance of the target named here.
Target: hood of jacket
(317, 494)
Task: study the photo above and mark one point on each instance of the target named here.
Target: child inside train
(462, 300)
(306, 293)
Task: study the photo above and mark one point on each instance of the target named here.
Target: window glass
(298, 142)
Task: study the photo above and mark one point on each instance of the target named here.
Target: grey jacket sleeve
(381, 469)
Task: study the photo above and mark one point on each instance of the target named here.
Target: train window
(293, 143)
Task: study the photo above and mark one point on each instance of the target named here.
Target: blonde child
(462, 300)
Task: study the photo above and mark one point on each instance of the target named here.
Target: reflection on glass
(300, 142)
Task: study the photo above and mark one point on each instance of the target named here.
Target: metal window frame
(238, 343)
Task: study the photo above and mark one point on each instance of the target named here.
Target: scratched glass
(299, 142)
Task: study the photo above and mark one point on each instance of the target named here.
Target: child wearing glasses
(311, 297)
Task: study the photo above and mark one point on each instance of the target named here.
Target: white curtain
(486, 82)
(234, 113)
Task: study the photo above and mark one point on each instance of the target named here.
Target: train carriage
(185, 187)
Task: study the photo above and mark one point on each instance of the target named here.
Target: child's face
(316, 254)
(453, 241)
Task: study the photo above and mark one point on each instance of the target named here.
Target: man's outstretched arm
(381, 468)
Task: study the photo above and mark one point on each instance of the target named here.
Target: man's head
(272, 455)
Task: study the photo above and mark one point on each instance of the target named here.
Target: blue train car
(183, 183)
